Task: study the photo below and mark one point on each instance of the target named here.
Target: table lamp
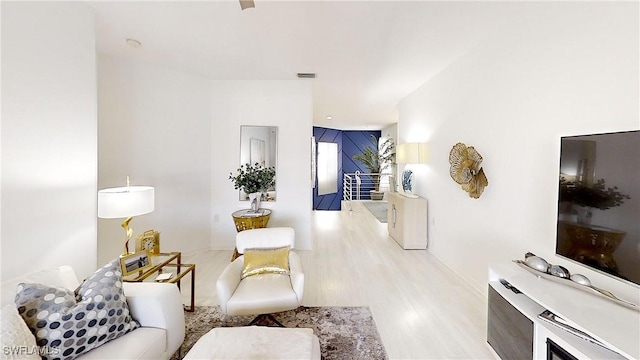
(410, 153)
(125, 202)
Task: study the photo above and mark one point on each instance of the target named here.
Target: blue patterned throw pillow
(66, 326)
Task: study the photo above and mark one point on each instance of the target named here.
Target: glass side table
(167, 263)
(247, 219)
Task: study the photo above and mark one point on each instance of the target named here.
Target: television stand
(602, 329)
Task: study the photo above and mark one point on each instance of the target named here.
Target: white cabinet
(407, 221)
(616, 327)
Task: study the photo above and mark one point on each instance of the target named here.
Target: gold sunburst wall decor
(466, 170)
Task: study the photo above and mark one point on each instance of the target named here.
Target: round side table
(246, 219)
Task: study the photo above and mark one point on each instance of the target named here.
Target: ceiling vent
(306, 75)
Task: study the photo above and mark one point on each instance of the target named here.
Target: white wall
(154, 125)
(181, 134)
(287, 105)
(557, 69)
(49, 145)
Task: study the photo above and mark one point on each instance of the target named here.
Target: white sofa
(156, 306)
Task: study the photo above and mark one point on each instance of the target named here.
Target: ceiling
(368, 55)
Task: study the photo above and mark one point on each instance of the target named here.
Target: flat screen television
(599, 203)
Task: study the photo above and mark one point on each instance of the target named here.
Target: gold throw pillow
(266, 261)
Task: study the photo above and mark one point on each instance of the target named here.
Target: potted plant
(376, 160)
(253, 180)
(589, 197)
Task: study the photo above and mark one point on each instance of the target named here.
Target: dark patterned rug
(344, 332)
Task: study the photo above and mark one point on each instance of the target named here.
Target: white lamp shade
(411, 153)
(123, 202)
(422, 153)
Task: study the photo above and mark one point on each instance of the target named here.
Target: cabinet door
(509, 332)
(414, 223)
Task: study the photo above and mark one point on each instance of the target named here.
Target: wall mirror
(327, 168)
(259, 144)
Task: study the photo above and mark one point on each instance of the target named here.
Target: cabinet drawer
(509, 332)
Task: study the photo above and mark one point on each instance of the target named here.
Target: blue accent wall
(349, 144)
(354, 143)
(328, 201)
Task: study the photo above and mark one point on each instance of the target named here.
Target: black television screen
(599, 203)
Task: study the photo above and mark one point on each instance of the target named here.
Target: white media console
(615, 327)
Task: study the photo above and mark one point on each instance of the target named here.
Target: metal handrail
(347, 186)
(357, 186)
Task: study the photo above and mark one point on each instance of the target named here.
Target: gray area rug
(344, 332)
(378, 209)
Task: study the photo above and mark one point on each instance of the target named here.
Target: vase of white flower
(253, 180)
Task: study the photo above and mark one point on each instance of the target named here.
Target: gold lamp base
(125, 226)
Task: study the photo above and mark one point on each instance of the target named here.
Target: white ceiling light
(329, 117)
(134, 43)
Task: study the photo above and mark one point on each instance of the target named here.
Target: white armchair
(263, 293)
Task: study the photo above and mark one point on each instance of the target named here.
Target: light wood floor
(421, 308)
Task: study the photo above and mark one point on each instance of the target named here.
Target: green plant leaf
(377, 159)
(253, 178)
